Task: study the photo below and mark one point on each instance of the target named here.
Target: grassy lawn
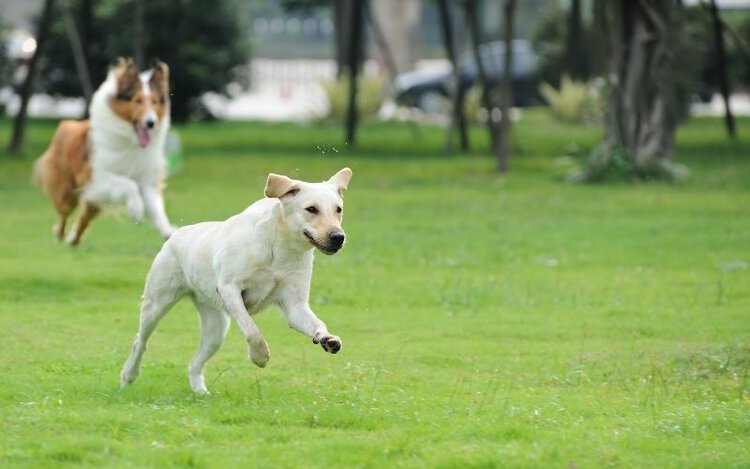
(486, 320)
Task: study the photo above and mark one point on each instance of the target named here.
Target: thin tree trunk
(354, 58)
(385, 51)
(573, 51)
(506, 89)
(138, 32)
(473, 22)
(342, 33)
(721, 58)
(78, 52)
(87, 39)
(19, 126)
(458, 119)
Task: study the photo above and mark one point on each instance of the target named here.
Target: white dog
(235, 268)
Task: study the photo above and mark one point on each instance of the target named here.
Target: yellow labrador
(235, 268)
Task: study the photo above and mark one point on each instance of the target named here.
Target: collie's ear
(341, 180)
(127, 78)
(278, 186)
(160, 77)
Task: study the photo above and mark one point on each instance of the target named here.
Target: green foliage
(494, 321)
(370, 97)
(575, 102)
(204, 42)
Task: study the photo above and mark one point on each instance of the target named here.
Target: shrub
(370, 97)
(575, 102)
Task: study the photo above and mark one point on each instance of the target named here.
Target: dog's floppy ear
(127, 78)
(277, 186)
(341, 180)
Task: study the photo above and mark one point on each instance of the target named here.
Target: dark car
(420, 88)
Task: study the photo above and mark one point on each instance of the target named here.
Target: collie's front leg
(154, 204)
(109, 188)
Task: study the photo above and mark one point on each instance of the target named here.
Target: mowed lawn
(487, 320)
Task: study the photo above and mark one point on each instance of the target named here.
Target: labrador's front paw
(330, 343)
(259, 353)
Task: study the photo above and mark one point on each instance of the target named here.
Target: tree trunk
(641, 118)
(574, 54)
(19, 126)
(458, 119)
(353, 61)
(721, 58)
(79, 55)
(138, 32)
(506, 88)
(472, 17)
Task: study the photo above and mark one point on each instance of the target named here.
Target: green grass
(486, 320)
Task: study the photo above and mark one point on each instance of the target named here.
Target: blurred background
(437, 61)
(278, 59)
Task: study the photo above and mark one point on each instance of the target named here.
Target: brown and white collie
(116, 157)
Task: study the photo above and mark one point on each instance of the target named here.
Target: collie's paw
(330, 343)
(135, 210)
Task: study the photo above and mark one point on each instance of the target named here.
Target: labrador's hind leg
(164, 287)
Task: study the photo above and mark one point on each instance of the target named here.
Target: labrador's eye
(312, 209)
(338, 209)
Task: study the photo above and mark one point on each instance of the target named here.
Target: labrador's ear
(277, 186)
(341, 180)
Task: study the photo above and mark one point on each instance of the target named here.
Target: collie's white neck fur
(114, 144)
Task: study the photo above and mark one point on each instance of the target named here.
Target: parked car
(421, 88)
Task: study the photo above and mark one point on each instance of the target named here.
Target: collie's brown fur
(61, 171)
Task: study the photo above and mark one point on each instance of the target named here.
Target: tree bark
(79, 55)
(458, 119)
(19, 126)
(353, 61)
(721, 57)
(642, 118)
(472, 17)
(574, 55)
(138, 34)
(506, 88)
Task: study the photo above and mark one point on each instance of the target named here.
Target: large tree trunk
(19, 126)
(642, 113)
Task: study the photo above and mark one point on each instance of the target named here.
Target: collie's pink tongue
(144, 136)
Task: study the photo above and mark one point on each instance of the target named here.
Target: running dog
(235, 268)
(116, 157)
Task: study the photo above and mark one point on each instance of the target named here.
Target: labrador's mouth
(322, 248)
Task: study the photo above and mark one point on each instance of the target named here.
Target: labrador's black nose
(336, 239)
